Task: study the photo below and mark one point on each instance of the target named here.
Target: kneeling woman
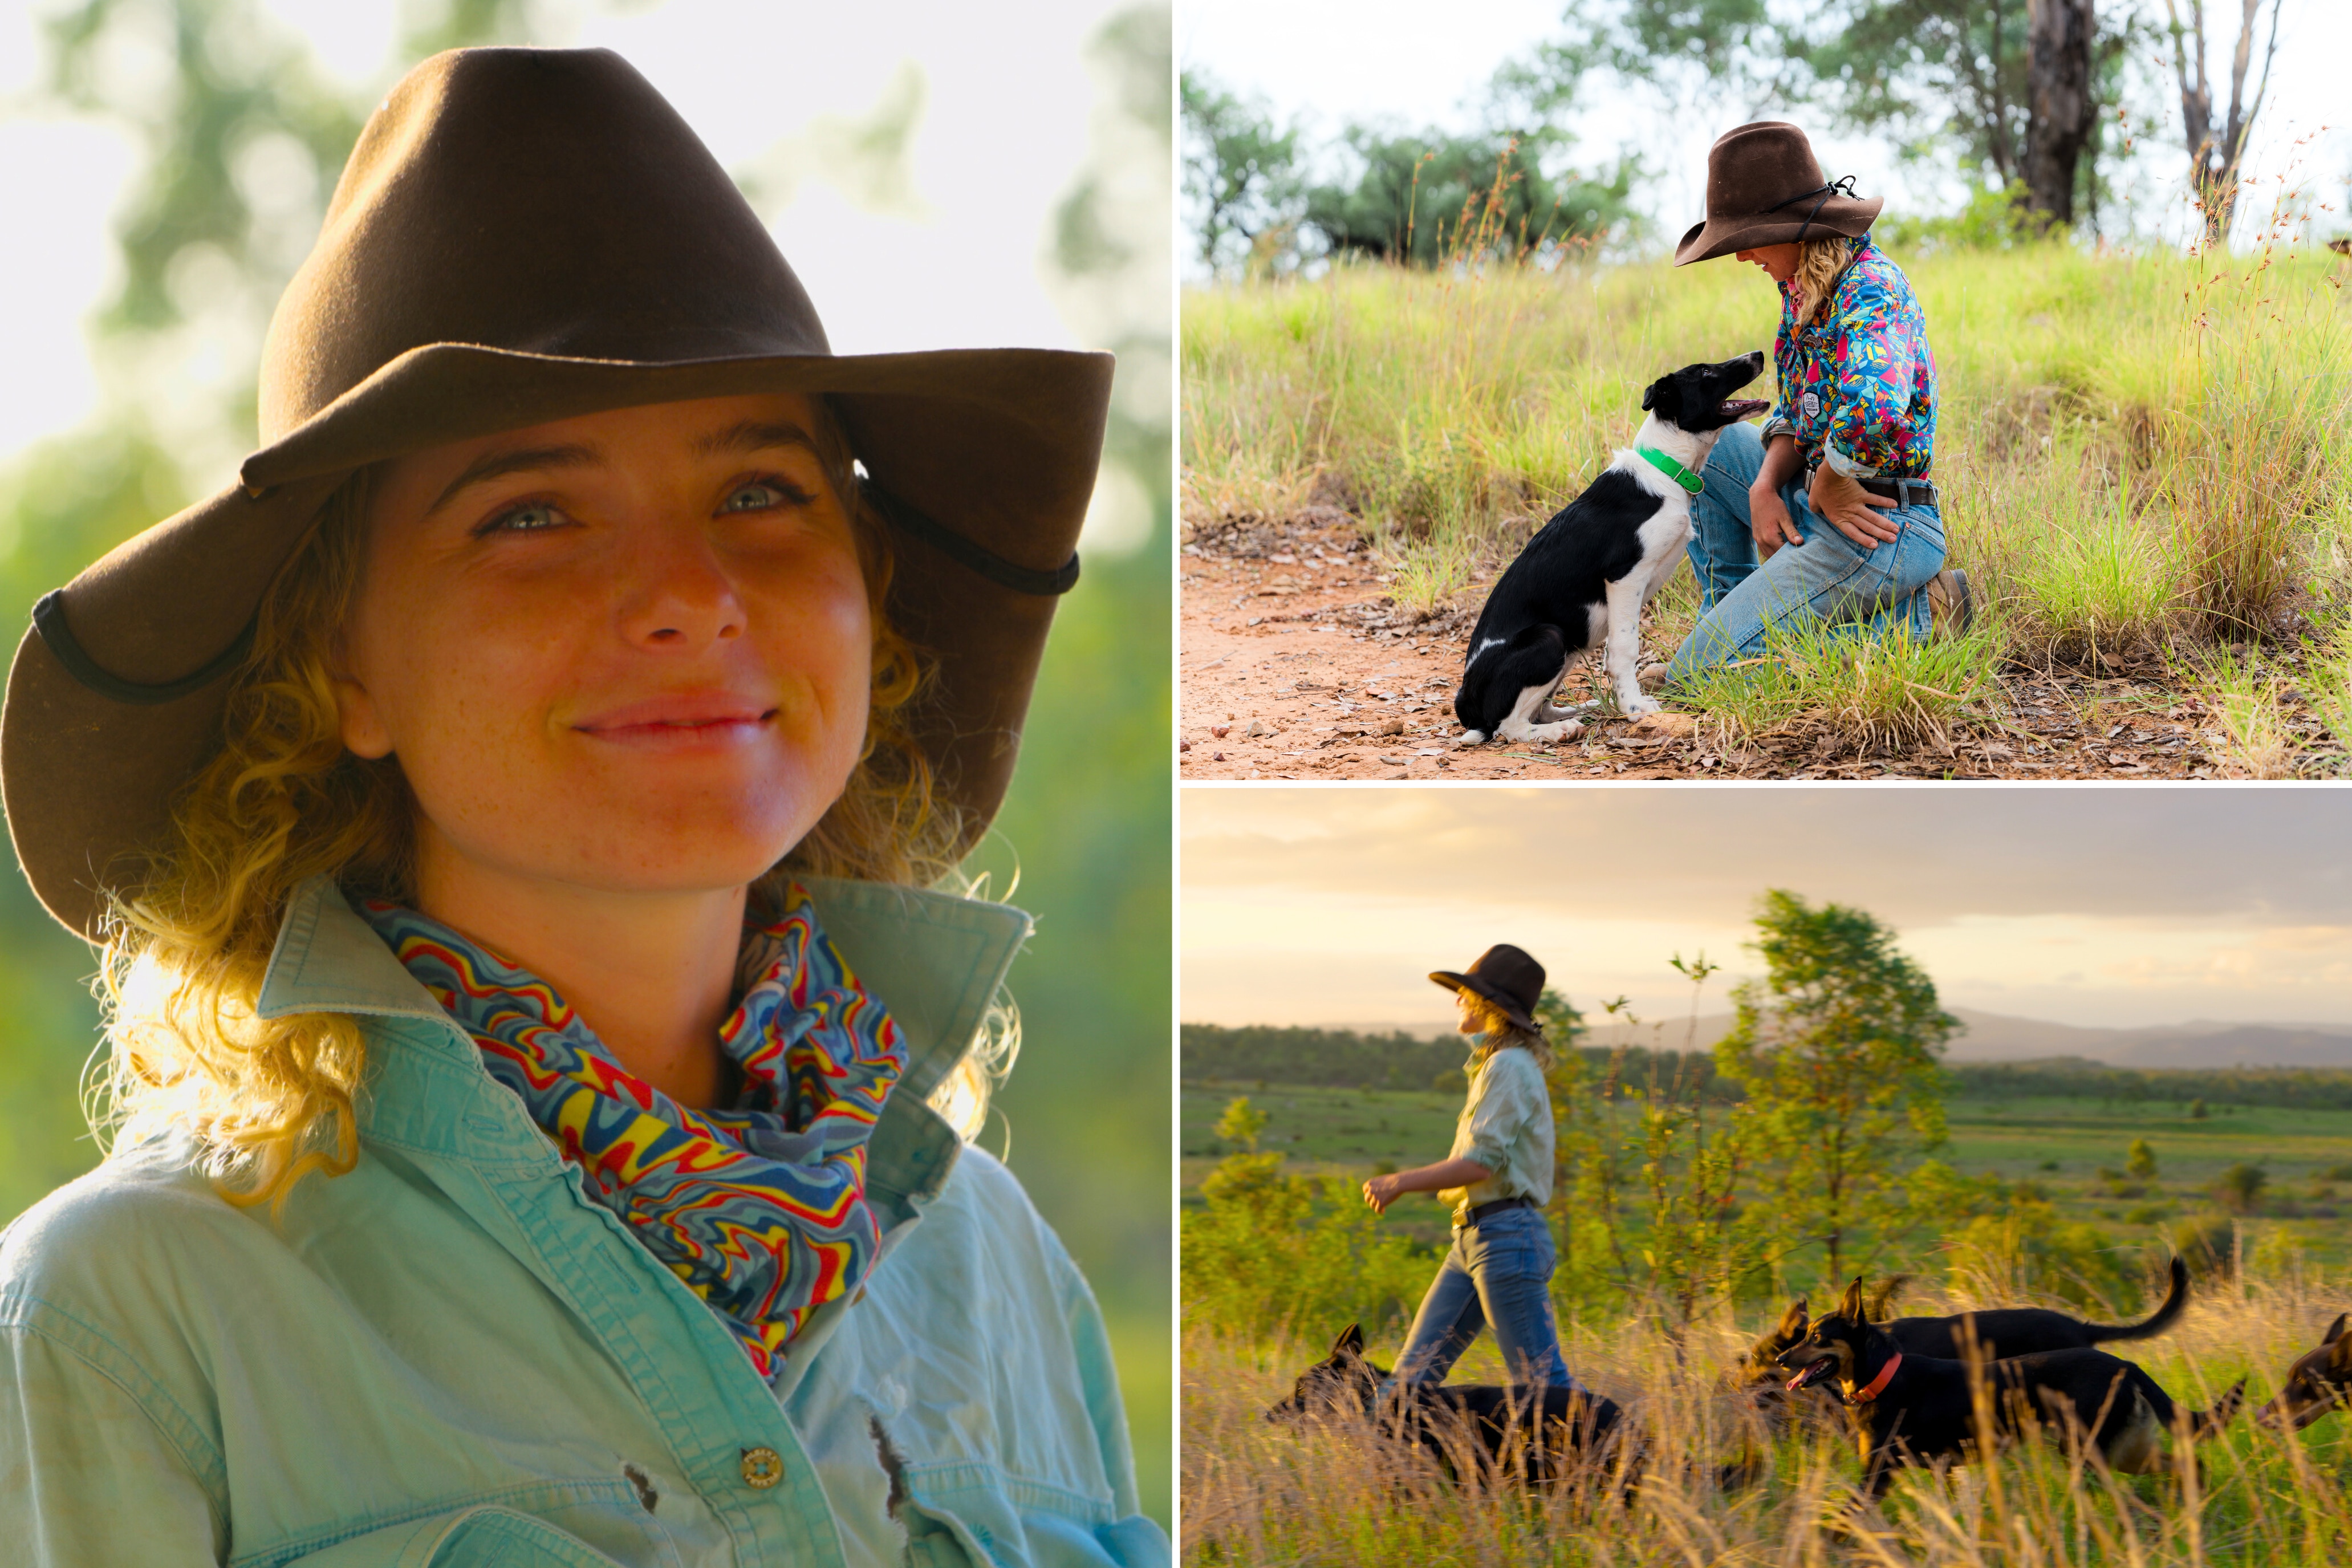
(1498, 1273)
(508, 812)
(1848, 444)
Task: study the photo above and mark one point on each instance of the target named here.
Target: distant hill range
(1997, 1038)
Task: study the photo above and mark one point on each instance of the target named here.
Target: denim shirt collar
(935, 960)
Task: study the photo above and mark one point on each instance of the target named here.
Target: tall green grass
(1334, 1492)
(2142, 455)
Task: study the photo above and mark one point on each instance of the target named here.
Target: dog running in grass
(2000, 1332)
(1583, 580)
(1528, 1435)
(1912, 1410)
(2316, 1384)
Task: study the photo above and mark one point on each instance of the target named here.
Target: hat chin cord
(1841, 187)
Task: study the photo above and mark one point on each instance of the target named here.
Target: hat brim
(1847, 216)
(998, 446)
(1509, 1006)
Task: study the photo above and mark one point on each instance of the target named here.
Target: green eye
(532, 517)
(758, 495)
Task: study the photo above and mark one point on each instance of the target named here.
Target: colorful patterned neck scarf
(761, 1209)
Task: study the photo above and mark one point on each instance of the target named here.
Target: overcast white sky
(1001, 137)
(1332, 61)
(2078, 904)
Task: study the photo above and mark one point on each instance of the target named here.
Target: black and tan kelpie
(2316, 1384)
(2001, 1332)
(1521, 1433)
(1914, 1409)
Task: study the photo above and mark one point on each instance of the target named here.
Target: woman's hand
(1851, 510)
(1769, 520)
(1382, 1191)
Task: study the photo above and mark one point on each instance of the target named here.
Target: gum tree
(1838, 1048)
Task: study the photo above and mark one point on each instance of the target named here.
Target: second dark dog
(2316, 1384)
(1528, 1434)
(1912, 1410)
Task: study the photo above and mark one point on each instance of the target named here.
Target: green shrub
(2209, 1244)
(2240, 1187)
(1270, 1253)
(2028, 1250)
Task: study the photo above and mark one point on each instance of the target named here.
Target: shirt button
(763, 1467)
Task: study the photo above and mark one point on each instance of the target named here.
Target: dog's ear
(1793, 1320)
(2334, 1330)
(1664, 397)
(1850, 1308)
(2339, 1351)
(1350, 1343)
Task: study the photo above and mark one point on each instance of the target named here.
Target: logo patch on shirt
(1811, 403)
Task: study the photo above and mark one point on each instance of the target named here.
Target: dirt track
(1296, 665)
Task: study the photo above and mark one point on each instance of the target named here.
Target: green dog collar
(1672, 469)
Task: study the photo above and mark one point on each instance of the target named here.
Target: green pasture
(2143, 460)
(2058, 1145)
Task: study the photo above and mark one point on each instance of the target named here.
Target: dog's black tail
(2175, 1302)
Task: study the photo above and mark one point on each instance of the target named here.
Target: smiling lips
(686, 721)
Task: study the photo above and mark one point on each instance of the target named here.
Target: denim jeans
(1497, 1276)
(1863, 593)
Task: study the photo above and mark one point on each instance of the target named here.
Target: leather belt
(1471, 1216)
(1901, 492)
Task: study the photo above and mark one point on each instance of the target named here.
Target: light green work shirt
(451, 1357)
(1505, 1126)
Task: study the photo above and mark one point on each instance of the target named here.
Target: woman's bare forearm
(1782, 462)
(1444, 1175)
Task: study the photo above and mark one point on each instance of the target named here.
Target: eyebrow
(523, 459)
(752, 434)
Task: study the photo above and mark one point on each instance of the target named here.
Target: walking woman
(537, 1060)
(1827, 514)
(1497, 1274)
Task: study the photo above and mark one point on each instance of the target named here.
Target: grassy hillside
(2144, 459)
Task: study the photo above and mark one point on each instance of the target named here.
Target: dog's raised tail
(2175, 1302)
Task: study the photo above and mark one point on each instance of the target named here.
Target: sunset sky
(2080, 905)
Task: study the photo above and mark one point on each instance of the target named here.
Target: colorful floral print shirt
(1858, 382)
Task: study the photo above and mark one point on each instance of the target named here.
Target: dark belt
(1901, 492)
(1473, 1215)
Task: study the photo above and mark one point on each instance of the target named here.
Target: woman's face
(629, 651)
(1779, 261)
(1471, 1013)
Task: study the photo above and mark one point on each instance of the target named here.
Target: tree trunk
(2214, 159)
(2061, 110)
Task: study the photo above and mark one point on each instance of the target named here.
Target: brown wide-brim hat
(1504, 975)
(523, 236)
(1764, 186)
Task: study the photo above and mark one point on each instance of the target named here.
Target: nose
(680, 596)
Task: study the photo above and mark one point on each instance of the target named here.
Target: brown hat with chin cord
(1506, 976)
(1764, 186)
(523, 236)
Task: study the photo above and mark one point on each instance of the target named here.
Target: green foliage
(2209, 1244)
(1269, 1253)
(2075, 1078)
(2026, 1249)
(1242, 1123)
(1838, 1049)
(1431, 198)
(1241, 176)
(1341, 1057)
(2139, 1160)
(2197, 1112)
(2240, 1188)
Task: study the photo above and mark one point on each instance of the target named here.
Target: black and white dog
(1581, 581)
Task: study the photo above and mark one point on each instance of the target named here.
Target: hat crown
(1753, 168)
(1513, 972)
(541, 201)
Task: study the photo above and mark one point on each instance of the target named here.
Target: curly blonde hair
(1498, 1033)
(188, 940)
(1818, 262)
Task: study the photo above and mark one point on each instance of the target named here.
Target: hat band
(956, 547)
(1842, 185)
(49, 620)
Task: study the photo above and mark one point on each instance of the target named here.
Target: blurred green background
(202, 238)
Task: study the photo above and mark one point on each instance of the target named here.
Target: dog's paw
(1565, 729)
(1637, 706)
(1473, 737)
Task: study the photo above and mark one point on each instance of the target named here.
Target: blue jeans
(1871, 592)
(1498, 1276)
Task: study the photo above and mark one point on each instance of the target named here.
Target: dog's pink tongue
(1795, 1381)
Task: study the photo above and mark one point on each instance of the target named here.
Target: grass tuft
(1857, 697)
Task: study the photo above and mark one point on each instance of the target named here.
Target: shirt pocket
(486, 1536)
(967, 1515)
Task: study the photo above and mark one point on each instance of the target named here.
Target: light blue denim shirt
(450, 1357)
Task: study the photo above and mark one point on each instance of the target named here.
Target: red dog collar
(1878, 1385)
